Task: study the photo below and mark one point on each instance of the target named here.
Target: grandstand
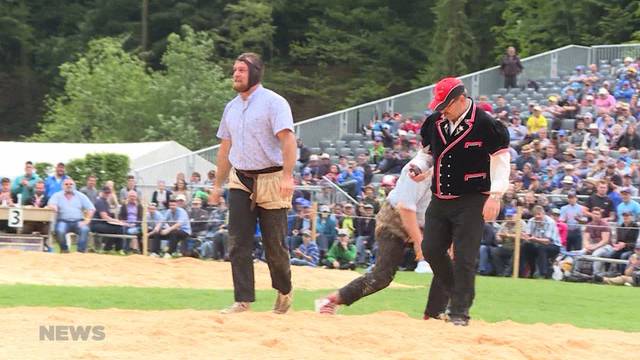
(548, 69)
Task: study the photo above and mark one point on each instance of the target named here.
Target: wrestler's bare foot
(328, 305)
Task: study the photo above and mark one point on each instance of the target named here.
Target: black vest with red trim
(462, 159)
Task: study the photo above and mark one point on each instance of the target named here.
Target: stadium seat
(344, 151)
(331, 151)
(494, 97)
(537, 97)
(377, 178)
(568, 124)
(509, 97)
(340, 144)
(361, 151)
(616, 62)
(502, 91)
(354, 144)
(562, 147)
(516, 103)
(325, 144)
(614, 154)
(515, 91)
(353, 136)
(367, 144)
(580, 154)
(315, 150)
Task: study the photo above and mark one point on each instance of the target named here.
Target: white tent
(15, 154)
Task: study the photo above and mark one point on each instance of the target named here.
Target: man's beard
(241, 87)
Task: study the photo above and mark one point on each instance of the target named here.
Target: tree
(109, 95)
(453, 45)
(191, 94)
(249, 27)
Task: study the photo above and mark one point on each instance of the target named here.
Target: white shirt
(413, 195)
(453, 126)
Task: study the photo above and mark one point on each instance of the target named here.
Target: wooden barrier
(516, 250)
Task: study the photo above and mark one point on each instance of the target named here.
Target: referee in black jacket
(471, 172)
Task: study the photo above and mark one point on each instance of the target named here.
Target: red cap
(486, 107)
(445, 90)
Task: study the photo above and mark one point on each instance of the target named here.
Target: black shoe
(458, 320)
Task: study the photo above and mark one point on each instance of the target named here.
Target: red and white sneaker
(327, 306)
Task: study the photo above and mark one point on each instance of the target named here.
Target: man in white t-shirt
(397, 224)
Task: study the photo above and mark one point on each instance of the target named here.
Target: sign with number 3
(15, 217)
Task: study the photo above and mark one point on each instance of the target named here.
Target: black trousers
(344, 265)
(574, 239)
(540, 256)
(154, 243)
(106, 228)
(175, 237)
(502, 261)
(458, 221)
(242, 225)
(391, 250)
(510, 81)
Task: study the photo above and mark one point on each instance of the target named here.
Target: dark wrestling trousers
(242, 225)
(459, 221)
(391, 238)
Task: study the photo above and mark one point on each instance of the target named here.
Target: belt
(253, 174)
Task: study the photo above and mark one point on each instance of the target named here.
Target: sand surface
(77, 269)
(189, 334)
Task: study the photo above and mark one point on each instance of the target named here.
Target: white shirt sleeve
(422, 159)
(500, 168)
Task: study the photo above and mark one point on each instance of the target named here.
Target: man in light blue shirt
(257, 153)
(72, 208)
(178, 228)
(542, 242)
(570, 214)
(627, 205)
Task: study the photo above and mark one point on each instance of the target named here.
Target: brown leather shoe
(236, 307)
(283, 303)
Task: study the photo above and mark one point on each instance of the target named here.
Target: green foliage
(111, 97)
(249, 27)
(453, 43)
(106, 92)
(104, 166)
(321, 55)
(43, 169)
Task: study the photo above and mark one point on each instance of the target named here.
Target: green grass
(497, 299)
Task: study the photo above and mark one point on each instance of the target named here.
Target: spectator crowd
(574, 175)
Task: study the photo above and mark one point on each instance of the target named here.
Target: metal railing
(550, 64)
